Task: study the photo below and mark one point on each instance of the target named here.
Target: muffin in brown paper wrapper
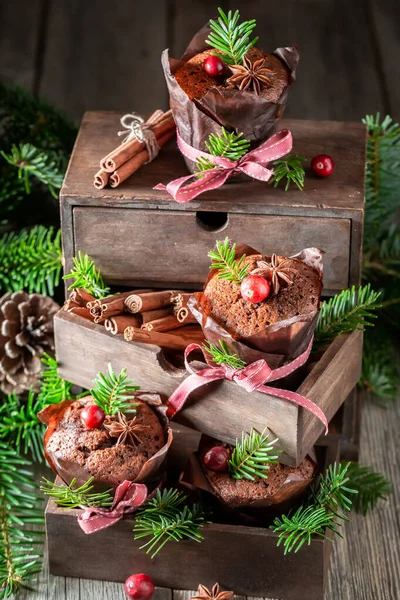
(65, 415)
(285, 488)
(278, 343)
(254, 115)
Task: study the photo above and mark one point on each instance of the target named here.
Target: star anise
(277, 269)
(252, 74)
(204, 593)
(124, 430)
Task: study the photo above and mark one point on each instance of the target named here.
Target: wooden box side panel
(330, 382)
(222, 409)
(240, 558)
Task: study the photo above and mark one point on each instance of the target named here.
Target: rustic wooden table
(365, 563)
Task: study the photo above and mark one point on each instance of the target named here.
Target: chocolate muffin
(104, 452)
(195, 82)
(282, 484)
(242, 318)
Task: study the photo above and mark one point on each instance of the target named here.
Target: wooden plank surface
(365, 564)
(102, 54)
(20, 27)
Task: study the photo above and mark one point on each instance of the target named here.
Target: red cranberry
(139, 587)
(216, 459)
(254, 288)
(92, 416)
(214, 66)
(322, 165)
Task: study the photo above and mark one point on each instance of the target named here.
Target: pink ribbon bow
(254, 164)
(251, 378)
(128, 497)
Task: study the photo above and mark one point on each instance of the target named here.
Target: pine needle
(226, 144)
(87, 276)
(114, 393)
(164, 519)
(289, 169)
(73, 496)
(370, 487)
(252, 456)
(221, 356)
(32, 260)
(231, 38)
(223, 259)
(20, 507)
(347, 311)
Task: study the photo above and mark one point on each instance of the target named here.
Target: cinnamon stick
(136, 162)
(163, 324)
(181, 310)
(81, 311)
(143, 302)
(164, 340)
(163, 126)
(154, 315)
(108, 307)
(118, 324)
(101, 179)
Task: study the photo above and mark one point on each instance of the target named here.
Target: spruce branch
(226, 144)
(380, 374)
(230, 38)
(31, 259)
(87, 276)
(53, 389)
(20, 508)
(33, 162)
(113, 393)
(20, 426)
(253, 456)
(221, 356)
(323, 510)
(347, 311)
(289, 169)
(223, 259)
(73, 496)
(370, 487)
(382, 178)
(163, 519)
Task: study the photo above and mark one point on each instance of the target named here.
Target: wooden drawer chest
(137, 235)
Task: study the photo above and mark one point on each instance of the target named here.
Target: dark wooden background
(97, 54)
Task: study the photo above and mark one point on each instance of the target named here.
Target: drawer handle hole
(212, 221)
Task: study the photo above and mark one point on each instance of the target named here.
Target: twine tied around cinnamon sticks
(140, 146)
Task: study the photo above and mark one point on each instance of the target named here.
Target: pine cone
(26, 333)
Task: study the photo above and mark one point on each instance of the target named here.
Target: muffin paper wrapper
(253, 115)
(152, 470)
(194, 478)
(278, 343)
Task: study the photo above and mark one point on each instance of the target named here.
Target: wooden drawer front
(164, 247)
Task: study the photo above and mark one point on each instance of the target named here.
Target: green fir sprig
(74, 496)
(32, 260)
(87, 276)
(370, 487)
(114, 393)
(253, 456)
(226, 144)
(231, 38)
(167, 518)
(21, 509)
(323, 511)
(53, 388)
(33, 162)
(221, 356)
(223, 259)
(380, 374)
(349, 310)
(287, 170)
(20, 426)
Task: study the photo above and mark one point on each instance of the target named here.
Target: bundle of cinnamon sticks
(147, 316)
(132, 154)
